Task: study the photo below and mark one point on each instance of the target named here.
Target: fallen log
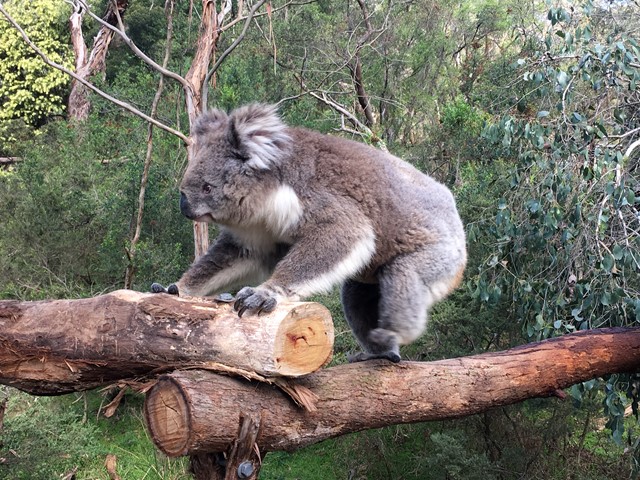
(60, 346)
(193, 412)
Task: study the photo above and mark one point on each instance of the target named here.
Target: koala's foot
(363, 357)
(171, 289)
(255, 300)
(381, 341)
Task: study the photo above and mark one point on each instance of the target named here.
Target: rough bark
(243, 460)
(6, 162)
(56, 347)
(192, 412)
(361, 93)
(207, 40)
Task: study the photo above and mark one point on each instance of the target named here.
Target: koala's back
(406, 208)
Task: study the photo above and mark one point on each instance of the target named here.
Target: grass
(47, 438)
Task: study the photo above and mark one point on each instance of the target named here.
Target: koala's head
(236, 164)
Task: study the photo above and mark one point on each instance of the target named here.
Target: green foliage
(31, 91)
(400, 452)
(458, 117)
(82, 189)
(566, 249)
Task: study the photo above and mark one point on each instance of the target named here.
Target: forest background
(528, 110)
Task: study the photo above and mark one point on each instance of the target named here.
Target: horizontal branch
(192, 412)
(7, 161)
(59, 346)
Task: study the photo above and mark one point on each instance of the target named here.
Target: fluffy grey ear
(259, 132)
(209, 121)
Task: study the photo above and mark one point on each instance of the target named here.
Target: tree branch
(139, 53)
(323, 97)
(202, 408)
(87, 84)
(232, 47)
(131, 251)
(60, 346)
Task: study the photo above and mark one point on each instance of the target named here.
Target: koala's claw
(171, 289)
(255, 300)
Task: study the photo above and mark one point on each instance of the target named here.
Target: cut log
(60, 346)
(192, 412)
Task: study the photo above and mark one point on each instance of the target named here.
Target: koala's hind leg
(409, 286)
(360, 302)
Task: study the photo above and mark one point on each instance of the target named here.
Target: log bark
(60, 346)
(191, 412)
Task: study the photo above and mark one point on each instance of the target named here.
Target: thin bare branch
(240, 18)
(131, 252)
(626, 134)
(631, 148)
(324, 98)
(232, 47)
(89, 85)
(228, 5)
(139, 53)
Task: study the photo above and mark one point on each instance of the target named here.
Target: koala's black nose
(184, 205)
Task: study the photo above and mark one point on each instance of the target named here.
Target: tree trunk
(133, 245)
(79, 105)
(207, 40)
(200, 229)
(361, 93)
(61, 346)
(192, 412)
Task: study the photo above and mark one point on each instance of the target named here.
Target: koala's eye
(206, 188)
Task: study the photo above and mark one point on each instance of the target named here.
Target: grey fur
(300, 211)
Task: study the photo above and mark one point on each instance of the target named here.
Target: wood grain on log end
(167, 414)
(304, 338)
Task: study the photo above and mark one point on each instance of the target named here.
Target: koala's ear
(258, 130)
(209, 122)
(232, 135)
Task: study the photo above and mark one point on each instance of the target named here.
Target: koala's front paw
(171, 289)
(255, 300)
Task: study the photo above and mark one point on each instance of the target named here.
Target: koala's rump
(408, 210)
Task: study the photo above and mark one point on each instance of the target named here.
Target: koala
(300, 212)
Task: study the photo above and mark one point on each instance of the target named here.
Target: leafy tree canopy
(30, 91)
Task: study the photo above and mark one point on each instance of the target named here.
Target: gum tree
(566, 236)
